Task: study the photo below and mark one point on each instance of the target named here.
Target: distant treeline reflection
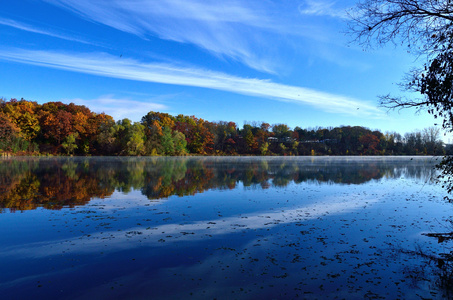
(54, 183)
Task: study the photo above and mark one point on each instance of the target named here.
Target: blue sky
(257, 60)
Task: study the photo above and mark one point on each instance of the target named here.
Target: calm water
(224, 228)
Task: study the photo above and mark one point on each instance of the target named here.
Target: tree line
(27, 127)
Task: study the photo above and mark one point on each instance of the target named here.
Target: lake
(222, 228)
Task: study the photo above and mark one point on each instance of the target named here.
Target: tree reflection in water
(53, 183)
(434, 269)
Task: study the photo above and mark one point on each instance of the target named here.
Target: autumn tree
(163, 119)
(262, 135)
(369, 143)
(58, 120)
(23, 114)
(7, 128)
(225, 138)
(165, 133)
(74, 129)
(202, 139)
(248, 141)
(185, 125)
(8, 133)
(153, 134)
(103, 141)
(198, 134)
(55, 126)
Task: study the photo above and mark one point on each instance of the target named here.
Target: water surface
(224, 228)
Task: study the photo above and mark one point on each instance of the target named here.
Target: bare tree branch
(425, 28)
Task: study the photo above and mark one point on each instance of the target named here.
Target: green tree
(179, 141)
(167, 141)
(249, 139)
(69, 143)
(135, 136)
(281, 131)
(131, 137)
(264, 149)
(104, 142)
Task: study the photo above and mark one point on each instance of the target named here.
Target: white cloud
(238, 30)
(252, 32)
(29, 28)
(322, 8)
(120, 108)
(111, 66)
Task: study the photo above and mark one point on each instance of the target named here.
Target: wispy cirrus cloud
(112, 66)
(322, 8)
(120, 108)
(237, 30)
(30, 28)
